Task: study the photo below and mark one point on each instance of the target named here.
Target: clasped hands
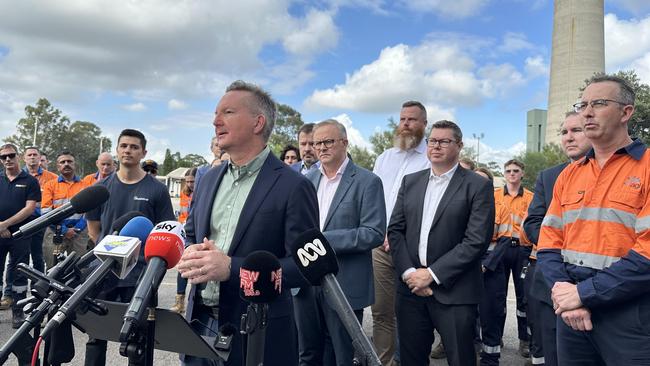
(419, 282)
(567, 304)
(204, 262)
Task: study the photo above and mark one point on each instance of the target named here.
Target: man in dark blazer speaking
(440, 227)
(254, 202)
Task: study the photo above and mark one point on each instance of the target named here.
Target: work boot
(17, 318)
(439, 352)
(524, 348)
(6, 302)
(179, 306)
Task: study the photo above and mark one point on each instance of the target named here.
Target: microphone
(118, 254)
(162, 250)
(260, 282)
(317, 262)
(84, 201)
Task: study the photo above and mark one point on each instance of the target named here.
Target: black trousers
(417, 317)
(514, 260)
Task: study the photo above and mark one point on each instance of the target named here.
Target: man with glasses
(594, 245)
(20, 193)
(352, 218)
(70, 234)
(440, 227)
(508, 254)
(309, 160)
(407, 156)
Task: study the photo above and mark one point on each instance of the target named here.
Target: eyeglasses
(9, 156)
(508, 171)
(595, 104)
(441, 142)
(327, 143)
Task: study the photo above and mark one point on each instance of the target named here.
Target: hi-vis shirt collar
(636, 150)
(520, 193)
(74, 179)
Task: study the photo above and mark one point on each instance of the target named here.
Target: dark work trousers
(36, 252)
(534, 320)
(96, 348)
(492, 309)
(514, 260)
(620, 336)
(545, 318)
(417, 317)
(18, 252)
(322, 337)
(181, 285)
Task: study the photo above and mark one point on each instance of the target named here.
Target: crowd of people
(425, 240)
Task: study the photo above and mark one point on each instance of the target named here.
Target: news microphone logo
(260, 277)
(169, 238)
(311, 251)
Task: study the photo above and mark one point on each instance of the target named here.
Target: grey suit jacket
(355, 224)
(459, 235)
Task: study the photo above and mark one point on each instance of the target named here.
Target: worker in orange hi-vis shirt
(186, 200)
(594, 245)
(105, 167)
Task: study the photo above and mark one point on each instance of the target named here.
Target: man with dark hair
(254, 202)
(542, 319)
(594, 244)
(131, 189)
(507, 254)
(45, 163)
(309, 160)
(70, 234)
(440, 227)
(20, 193)
(353, 220)
(407, 156)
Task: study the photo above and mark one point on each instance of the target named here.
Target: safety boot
(6, 302)
(179, 305)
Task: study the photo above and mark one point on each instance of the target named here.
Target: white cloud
(11, 110)
(136, 107)
(441, 72)
(354, 136)
(454, 9)
(176, 104)
(536, 66)
(160, 49)
(626, 41)
(514, 42)
(489, 153)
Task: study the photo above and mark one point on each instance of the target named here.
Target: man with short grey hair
(352, 218)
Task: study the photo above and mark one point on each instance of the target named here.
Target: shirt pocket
(571, 201)
(631, 200)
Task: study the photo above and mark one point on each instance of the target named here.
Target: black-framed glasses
(441, 142)
(9, 156)
(595, 104)
(327, 143)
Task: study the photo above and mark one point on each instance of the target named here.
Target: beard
(407, 139)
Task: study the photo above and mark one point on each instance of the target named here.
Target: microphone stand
(253, 325)
(140, 342)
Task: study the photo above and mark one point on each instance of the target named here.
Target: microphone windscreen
(121, 221)
(314, 256)
(89, 198)
(166, 241)
(137, 227)
(260, 277)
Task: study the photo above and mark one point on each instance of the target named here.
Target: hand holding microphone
(204, 262)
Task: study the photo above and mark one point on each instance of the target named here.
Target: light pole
(478, 145)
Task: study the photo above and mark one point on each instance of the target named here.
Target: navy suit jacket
(459, 235)
(536, 212)
(281, 205)
(355, 224)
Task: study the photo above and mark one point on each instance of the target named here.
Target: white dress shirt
(436, 188)
(393, 164)
(326, 190)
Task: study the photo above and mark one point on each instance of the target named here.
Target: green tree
(285, 132)
(82, 139)
(192, 160)
(362, 157)
(383, 140)
(168, 163)
(639, 125)
(551, 154)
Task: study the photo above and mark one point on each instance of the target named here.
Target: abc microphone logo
(310, 252)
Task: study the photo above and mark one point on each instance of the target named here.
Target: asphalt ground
(166, 294)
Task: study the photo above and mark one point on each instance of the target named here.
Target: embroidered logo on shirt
(633, 182)
(21, 186)
(136, 198)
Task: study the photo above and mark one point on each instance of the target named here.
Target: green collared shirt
(226, 210)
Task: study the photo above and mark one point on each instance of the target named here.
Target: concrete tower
(578, 52)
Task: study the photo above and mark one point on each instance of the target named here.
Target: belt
(514, 242)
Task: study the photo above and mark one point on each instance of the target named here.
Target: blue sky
(161, 66)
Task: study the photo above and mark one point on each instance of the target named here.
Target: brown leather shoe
(6, 302)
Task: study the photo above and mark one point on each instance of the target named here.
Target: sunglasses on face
(508, 171)
(9, 156)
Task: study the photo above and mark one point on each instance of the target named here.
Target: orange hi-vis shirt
(510, 214)
(598, 214)
(185, 207)
(43, 176)
(597, 229)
